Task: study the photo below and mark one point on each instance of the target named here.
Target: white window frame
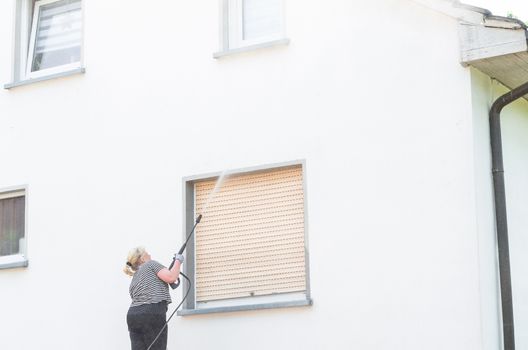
(29, 60)
(22, 29)
(232, 31)
(20, 259)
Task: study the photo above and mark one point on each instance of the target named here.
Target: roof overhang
(496, 46)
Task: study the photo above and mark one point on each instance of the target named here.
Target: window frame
(231, 30)
(283, 300)
(21, 259)
(22, 32)
(32, 39)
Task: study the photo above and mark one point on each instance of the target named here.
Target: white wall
(370, 93)
(516, 175)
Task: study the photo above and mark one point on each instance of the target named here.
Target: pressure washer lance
(177, 283)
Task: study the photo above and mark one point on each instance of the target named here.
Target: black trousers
(144, 324)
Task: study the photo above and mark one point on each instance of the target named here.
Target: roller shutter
(251, 239)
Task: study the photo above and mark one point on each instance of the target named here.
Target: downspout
(500, 212)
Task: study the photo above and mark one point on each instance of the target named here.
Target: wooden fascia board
(479, 42)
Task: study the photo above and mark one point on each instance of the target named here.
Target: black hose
(177, 307)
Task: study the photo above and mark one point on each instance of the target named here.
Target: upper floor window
(56, 37)
(251, 22)
(48, 40)
(12, 228)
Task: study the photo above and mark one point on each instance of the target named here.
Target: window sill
(251, 48)
(14, 265)
(44, 78)
(283, 304)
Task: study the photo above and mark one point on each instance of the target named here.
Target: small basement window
(12, 229)
(250, 249)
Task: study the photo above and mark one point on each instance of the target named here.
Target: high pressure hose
(172, 314)
(177, 283)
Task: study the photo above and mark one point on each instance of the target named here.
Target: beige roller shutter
(251, 238)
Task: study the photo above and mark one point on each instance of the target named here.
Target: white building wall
(514, 127)
(369, 93)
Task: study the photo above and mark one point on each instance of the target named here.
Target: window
(12, 229)
(249, 23)
(249, 250)
(48, 39)
(55, 43)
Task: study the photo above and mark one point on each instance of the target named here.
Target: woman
(150, 296)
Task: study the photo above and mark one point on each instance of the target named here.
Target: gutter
(500, 212)
(503, 22)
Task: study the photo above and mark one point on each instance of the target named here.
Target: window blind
(251, 239)
(12, 218)
(261, 18)
(58, 34)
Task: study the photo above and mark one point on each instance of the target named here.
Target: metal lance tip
(199, 218)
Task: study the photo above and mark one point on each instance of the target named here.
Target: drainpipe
(500, 212)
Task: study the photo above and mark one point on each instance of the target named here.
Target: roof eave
(497, 46)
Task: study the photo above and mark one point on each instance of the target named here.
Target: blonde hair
(134, 260)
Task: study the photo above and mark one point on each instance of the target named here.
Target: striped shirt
(146, 287)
